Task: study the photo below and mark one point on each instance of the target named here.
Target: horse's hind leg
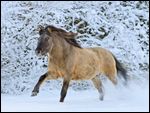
(37, 86)
(98, 85)
(113, 78)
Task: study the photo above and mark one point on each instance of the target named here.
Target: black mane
(55, 29)
(71, 41)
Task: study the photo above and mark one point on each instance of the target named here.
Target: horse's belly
(83, 77)
(84, 73)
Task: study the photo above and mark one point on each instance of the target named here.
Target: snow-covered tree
(121, 27)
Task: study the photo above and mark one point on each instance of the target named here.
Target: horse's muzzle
(38, 52)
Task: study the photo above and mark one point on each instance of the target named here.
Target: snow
(123, 100)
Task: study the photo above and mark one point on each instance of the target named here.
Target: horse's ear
(39, 28)
(49, 30)
(71, 35)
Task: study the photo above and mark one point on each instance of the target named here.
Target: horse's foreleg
(98, 85)
(37, 86)
(64, 89)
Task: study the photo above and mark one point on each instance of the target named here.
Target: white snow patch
(134, 99)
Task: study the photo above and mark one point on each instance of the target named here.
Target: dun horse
(68, 60)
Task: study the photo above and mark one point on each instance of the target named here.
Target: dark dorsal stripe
(71, 41)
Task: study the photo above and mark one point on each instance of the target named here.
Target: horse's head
(45, 41)
(48, 34)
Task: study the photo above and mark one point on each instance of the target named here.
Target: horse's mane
(71, 41)
(55, 29)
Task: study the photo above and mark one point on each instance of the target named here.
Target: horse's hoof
(61, 100)
(34, 94)
(101, 98)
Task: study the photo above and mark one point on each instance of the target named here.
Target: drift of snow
(122, 100)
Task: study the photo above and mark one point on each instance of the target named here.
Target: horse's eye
(46, 38)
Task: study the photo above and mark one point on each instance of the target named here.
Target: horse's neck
(60, 49)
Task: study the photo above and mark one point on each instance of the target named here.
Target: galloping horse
(68, 60)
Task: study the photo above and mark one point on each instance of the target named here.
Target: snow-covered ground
(135, 99)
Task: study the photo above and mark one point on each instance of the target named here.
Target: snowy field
(131, 100)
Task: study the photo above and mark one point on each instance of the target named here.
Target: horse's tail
(121, 69)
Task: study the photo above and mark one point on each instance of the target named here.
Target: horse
(69, 61)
